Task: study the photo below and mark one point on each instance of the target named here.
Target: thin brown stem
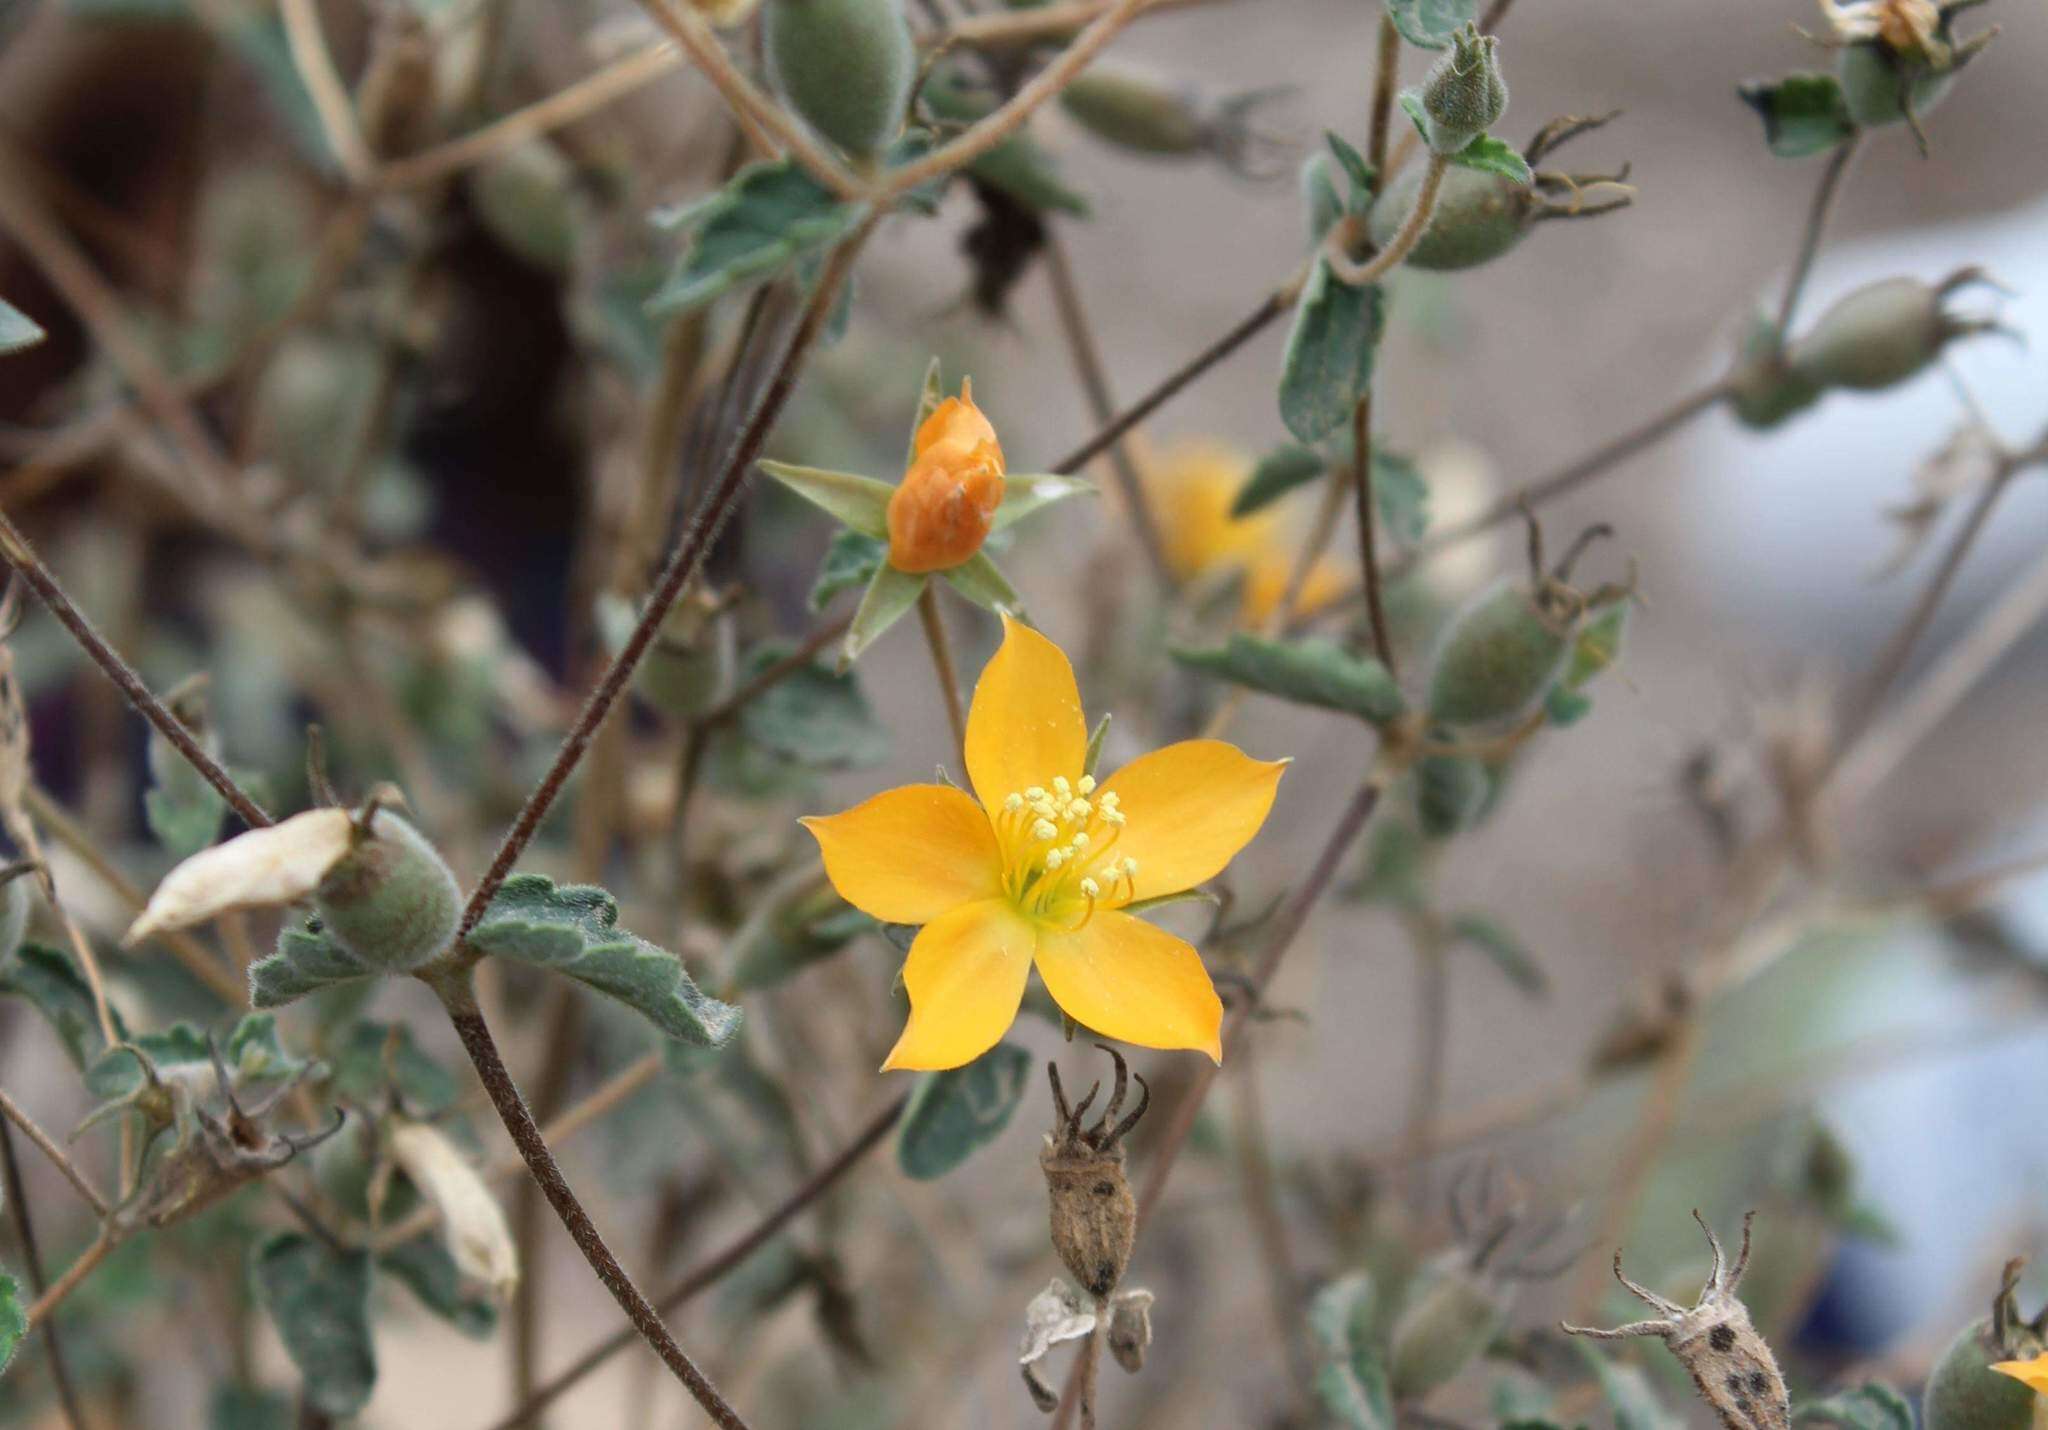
(1825, 195)
(942, 665)
(1003, 28)
(773, 675)
(1359, 275)
(1385, 76)
(708, 1273)
(685, 561)
(1287, 927)
(74, 1276)
(1368, 540)
(1087, 355)
(32, 1262)
(477, 1041)
(558, 1044)
(1432, 1048)
(1250, 326)
(14, 1112)
(1268, 1223)
(323, 82)
(16, 552)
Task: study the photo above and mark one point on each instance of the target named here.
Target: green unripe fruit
(1878, 85)
(1964, 1393)
(1499, 657)
(391, 900)
(1463, 95)
(846, 66)
(1450, 1316)
(1137, 112)
(1452, 792)
(1478, 217)
(1881, 334)
(691, 661)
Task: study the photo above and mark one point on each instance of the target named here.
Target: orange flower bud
(942, 510)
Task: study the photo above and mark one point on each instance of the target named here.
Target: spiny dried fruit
(1731, 1365)
(846, 66)
(1965, 1393)
(1094, 1215)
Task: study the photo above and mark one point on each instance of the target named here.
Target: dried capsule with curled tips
(1094, 1215)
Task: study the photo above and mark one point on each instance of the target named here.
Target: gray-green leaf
(887, 600)
(851, 560)
(1803, 113)
(319, 1300)
(306, 961)
(1351, 1380)
(572, 930)
(1872, 1405)
(17, 329)
(1495, 156)
(813, 716)
(1635, 1404)
(52, 984)
(1279, 472)
(1429, 23)
(767, 217)
(1330, 349)
(13, 1320)
(373, 1059)
(427, 1269)
(1508, 953)
(953, 1113)
(1308, 672)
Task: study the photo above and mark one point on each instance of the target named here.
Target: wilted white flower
(471, 1219)
(1906, 26)
(264, 867)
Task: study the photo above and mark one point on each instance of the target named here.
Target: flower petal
(1026, 725)
(911, 854)
(257, 869)
(2031, 1373)
(965, 975)
(1190, 807)
(1133, 981)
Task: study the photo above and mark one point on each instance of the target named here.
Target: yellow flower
(1040, 871)
(1194, 485)
(2031, 1373)
(942, 510)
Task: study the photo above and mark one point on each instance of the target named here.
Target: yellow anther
(1060, 786)
(1131, 868)
(1014, 803)
(1111, 799)
(1112, 816)
(1056, 858)
(1044, 831)
(1087, 785)
(1045, 809)
(1090, 889)
(1035, 793)
(1078, 809)
(1080, 841)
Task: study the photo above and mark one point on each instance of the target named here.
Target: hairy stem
(685, 561)
(708, 1273)
(1348, 270)
(477, 1041)
(942, 665)
(32, 1261)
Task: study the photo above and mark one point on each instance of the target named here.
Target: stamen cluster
(1056, 845)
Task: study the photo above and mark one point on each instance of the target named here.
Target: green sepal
(951, 1114)
(1279, 472)
(572, 930)
(766, 218)
(17, 329)
(1032, 492)
(319, 1300)
(1309, 672)
(889, 597)
(1495, 156)
(1330, 349)
(306, 961)
(1360, 177)
(1803, 113)
(1565, 708)
(859, 503)
(981, 581)
(851, 560)
(1507, 952)
(1429, 23)
(1095, 739)
(1160, 901)
(1351, 1379)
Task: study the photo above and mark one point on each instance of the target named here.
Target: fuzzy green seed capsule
(1463, 95)
(846, 66)
(1450, 1317)
(1763, 389)
(1135, 111)
(1881, 334)
(1451, 794)
(391, 900)
(1964, 1393)
(1499, 658)
(1879, 86)
(691, 661)
(1478, 217)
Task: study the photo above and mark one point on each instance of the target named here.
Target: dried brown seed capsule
(1731, 1364)
(1094, 1215)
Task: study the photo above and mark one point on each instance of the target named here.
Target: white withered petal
(264, 867)
(471, 1219)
